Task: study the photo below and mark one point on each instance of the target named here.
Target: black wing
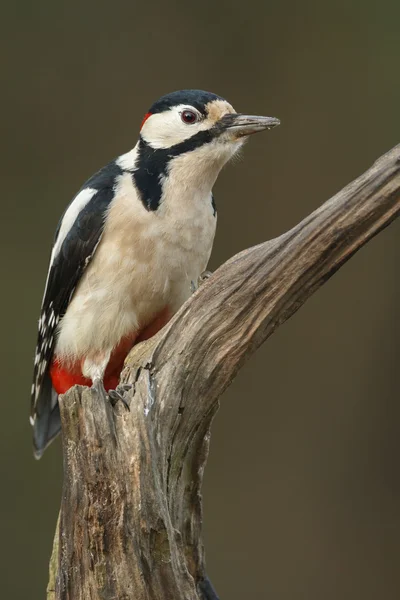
(65, 271)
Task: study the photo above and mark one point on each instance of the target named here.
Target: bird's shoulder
(81, 225)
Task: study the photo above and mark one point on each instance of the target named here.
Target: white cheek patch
(166, 129)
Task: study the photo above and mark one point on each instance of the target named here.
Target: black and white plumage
(129, 245)
(77, 235)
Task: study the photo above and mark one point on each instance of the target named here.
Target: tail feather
(47, 422)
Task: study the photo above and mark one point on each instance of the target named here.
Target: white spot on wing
(71, 214)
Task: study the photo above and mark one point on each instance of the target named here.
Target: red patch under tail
(65, 377)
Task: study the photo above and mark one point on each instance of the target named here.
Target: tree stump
(131, 511)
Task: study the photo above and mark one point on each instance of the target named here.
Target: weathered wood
(131, 512)
(53, 567)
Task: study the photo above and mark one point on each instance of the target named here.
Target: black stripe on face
(152, 164)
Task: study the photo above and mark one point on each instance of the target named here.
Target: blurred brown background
(302, 490)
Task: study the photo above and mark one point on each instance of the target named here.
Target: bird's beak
(242, 125)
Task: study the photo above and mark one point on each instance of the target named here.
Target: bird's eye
(189, 117)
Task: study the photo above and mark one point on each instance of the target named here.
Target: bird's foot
(118, 395)
(113, 396)
(201, 279)
(98, 388)
(204, 276)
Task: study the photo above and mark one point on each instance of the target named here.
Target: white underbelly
(136, 272)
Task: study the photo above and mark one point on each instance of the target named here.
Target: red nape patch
(146, 116)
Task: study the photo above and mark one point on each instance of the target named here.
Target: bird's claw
(201, 279)
(204, 276)
(98, 388)
(118, 395)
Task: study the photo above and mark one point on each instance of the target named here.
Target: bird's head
(189, 135)
(188, 120)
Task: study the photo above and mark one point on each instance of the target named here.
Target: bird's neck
(187, 175)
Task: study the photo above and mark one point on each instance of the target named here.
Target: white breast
(145, 262)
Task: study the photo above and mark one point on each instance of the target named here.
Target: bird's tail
(47, 423)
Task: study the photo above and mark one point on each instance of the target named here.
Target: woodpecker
(129, 246)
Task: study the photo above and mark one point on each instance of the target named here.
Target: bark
(131, 512)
